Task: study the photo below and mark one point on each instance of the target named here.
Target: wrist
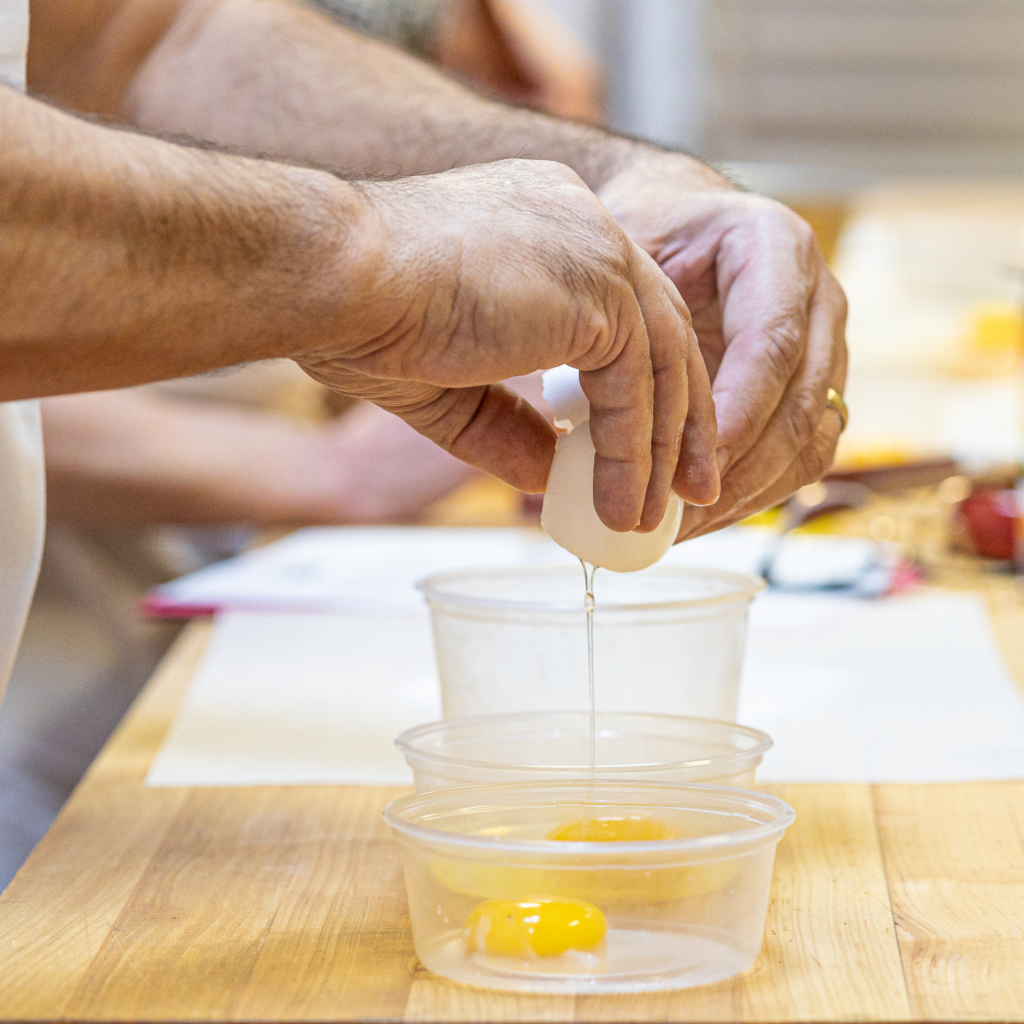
(334, 273)
(646, 164)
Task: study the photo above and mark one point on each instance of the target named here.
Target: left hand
(770, 321)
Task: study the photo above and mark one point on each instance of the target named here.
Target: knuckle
(557, 170)
(816, 459)
(839, 299)
(800, 420)
(595, 331)
(806, 239)
(749, 423)
(789, 228)
(782, 345)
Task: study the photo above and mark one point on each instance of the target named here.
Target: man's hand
(417, 295)
(492, 272)
(769, 318)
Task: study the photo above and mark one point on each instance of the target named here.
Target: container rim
(726, 799)
(405, 742)
(432, 588)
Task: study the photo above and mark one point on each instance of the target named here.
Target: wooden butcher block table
(890, 903)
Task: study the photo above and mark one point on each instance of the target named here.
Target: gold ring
(835, 402)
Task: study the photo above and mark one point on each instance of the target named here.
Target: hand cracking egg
(568, 515)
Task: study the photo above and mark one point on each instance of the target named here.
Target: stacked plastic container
(529, 868)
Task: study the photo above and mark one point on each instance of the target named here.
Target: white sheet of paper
(353, 569)
(288, 699)
(905, 689)
(373, 569)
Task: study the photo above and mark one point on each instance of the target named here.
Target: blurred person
(141, 457)
(510, 49)
(415, 293)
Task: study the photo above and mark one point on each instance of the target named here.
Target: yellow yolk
(505, 884)
(539, 927)
(631, 829)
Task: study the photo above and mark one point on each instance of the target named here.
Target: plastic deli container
(668, 639)
(496, 902)
(534, 746)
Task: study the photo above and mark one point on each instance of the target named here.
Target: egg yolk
(631, 829)
(538, 927)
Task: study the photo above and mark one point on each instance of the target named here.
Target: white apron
(21, 442)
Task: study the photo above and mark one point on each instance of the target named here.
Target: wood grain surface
(889, 903)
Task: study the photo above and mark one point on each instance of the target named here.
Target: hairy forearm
(135, 458)
(131, 458)
(124, 259)
(290, 84)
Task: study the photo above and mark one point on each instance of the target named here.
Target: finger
(766, 284)
(696, 480)
(796, 419)
(669, 335)
(489, 427)
(812, 463)
(795, 422)
(621, 396)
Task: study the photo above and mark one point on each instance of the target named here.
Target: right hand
(495, 271)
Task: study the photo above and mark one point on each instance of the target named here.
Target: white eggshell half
(569, 518)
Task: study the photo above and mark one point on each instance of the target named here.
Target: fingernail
(722, 459)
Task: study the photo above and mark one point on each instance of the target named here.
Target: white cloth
(21, 440)
(13, 42)
(21, 522)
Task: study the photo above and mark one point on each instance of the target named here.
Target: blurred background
(854, 88)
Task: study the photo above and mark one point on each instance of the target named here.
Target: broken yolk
(631, 829)
(537, 927)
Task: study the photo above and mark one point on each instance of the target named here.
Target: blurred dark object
(985, 524)
(996, 478)
(820, 499)
(875, 571)
(902, 476)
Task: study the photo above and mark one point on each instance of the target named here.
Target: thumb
(490, 427)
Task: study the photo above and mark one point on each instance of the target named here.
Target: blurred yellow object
(826, 220)
(852, 455)
(997, 330)
(537, 927)
(827, 523)
(481, 502)
(766, 517)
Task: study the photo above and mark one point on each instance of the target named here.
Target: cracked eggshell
(569, 518)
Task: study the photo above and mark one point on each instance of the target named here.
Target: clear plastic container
(680, 911)
(533, 746)
(668, 639)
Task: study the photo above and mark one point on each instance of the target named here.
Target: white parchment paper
(903, 689)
